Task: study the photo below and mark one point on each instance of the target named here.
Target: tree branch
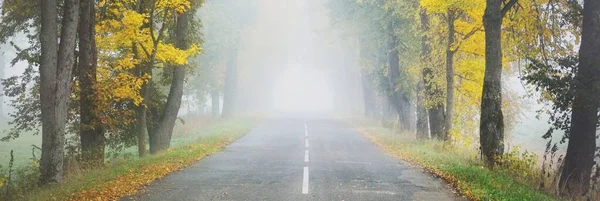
(507, 7)
(151, 21)
(466, 36)
(145, 50)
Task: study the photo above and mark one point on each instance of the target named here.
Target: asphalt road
(299, 159)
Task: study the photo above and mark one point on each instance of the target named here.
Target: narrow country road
(298, 159)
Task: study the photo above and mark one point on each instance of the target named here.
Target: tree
(435, 112)
(222, 25)
(460, 21)
(133, 45)
(161, 139)
(367, 83)
(492, 121)
(398, 97)
(90, 132)
(579, 160)
(364, 21)
(229, 94)
(56, 66)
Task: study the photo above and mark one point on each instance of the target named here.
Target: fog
(291, 60)
(294, 60)
(302, 90)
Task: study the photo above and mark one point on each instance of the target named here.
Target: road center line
(305, 131)
(306, 142)
(305, 181)
(306, 156)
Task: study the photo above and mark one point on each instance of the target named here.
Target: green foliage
(522, 165)
(19, 16)
(554, 81)
(23, 180)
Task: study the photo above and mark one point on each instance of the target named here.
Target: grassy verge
(126, 175)
(459, 166)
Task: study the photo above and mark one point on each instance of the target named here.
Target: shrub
(521, 165)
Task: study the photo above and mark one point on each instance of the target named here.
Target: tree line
(112, 73)
(440, 64)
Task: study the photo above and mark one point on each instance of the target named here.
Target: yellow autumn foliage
(523, 27)
(127, 39)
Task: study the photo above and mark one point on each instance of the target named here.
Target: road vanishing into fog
(299, 159)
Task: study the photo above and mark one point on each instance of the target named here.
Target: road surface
(299, 159)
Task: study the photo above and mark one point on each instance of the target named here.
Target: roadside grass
(125, 175)
(458, 166)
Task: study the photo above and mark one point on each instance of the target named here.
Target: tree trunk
(436, 121)
(55, 83)
(229, 95)
(164, 130)
(423, 87)
(422, 121)
(579, 160)
(449, 76)
(436, 110)
(398, 99)
(367, 87)
(141, 110)
(492, 121)
(141, 120)
(90, 133)
(368, 94)
(215, 96)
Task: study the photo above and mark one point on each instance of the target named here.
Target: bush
(22, 180)
(3, 178)
(521, 165)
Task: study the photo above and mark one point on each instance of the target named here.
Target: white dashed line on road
(306, 159)
(305, 130)
(306, 156)
(305, 181)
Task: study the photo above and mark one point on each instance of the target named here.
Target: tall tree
(222, 22)
(91, 133)
(451, 16)
(459, 23)
(56, 67)
(579, 160)
(229, 94)
(422, 114)
(492, 120)
(135, 33)
(141, 111)
(435, 109)
(160, 139)
(397, 95)
(366, 82)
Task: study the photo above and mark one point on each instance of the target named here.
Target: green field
(21, 147)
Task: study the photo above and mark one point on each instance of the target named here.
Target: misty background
(291, 59)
